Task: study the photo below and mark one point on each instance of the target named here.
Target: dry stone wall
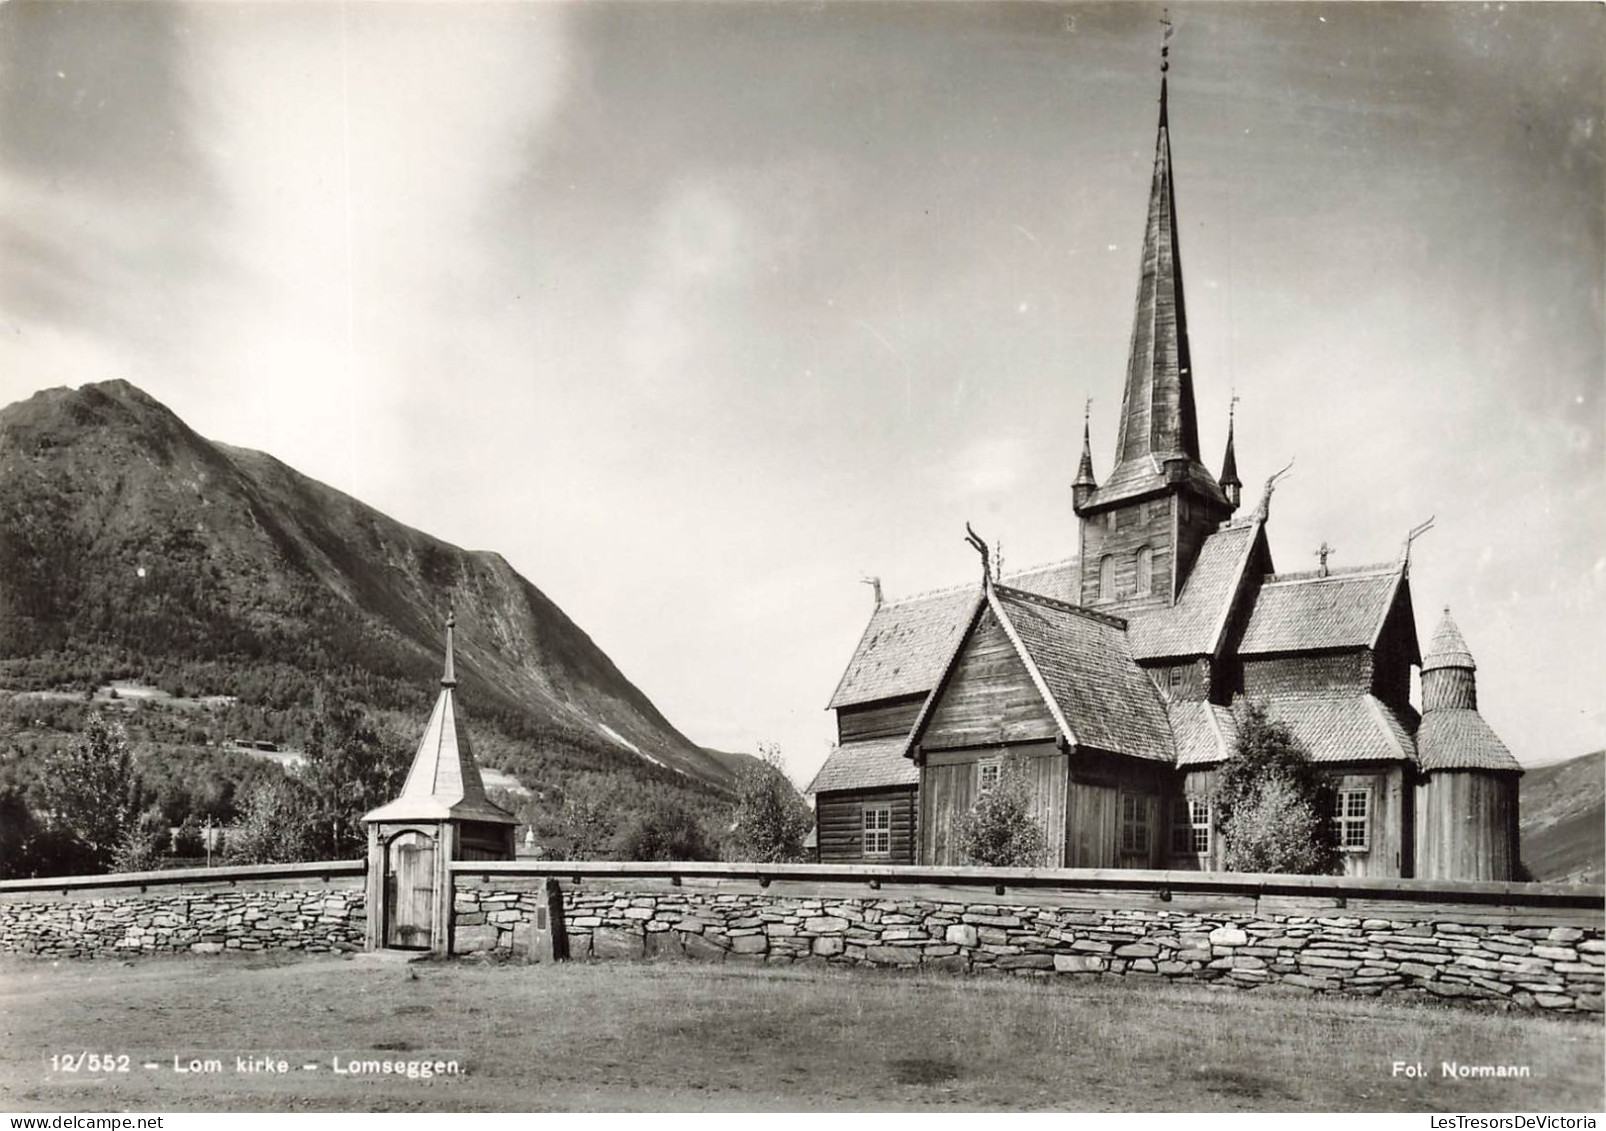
(205, 920)
(1558, 968)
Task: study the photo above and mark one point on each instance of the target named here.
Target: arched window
(1107, 578)
(1145, 571)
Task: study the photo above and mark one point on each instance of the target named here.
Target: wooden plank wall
(1093, 809)
(990, 697)
(841, 824)
(950, 785)
(1149, 523)
(1466, 826)
(1389, 854)
(890, 718)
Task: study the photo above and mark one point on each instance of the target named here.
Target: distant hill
(1563, 819)
(132, 547)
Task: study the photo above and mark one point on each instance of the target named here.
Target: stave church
(1108, 679)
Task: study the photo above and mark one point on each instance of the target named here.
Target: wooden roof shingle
(1457, 738)
(1195, 624)
(1351, 728)
(1204, 732)
(869, 764)
(1085, 665)
(1312, 611)
(907, 643)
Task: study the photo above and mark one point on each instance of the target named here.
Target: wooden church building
(1108, 679)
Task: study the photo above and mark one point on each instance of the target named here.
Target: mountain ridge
(132, 540)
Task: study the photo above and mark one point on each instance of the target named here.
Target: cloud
(990, 465)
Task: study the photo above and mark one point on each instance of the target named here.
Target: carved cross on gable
(1322, 551)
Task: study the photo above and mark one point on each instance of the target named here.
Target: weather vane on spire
(1165, 40)
(1232, 405)
(1087, 412)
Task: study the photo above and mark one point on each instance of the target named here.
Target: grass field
(677, 1037)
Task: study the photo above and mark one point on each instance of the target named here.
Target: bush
(277, 825)
(89, 790)
(1272, 804)
(665, 832)
(771, 818)
(1000, 830)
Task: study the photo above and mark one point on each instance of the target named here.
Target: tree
(19, 833)
(771, 817)
(277, 824)
(588, 824)
(87, 790)
(1000, 830)
(351, 768)
(1272, 805)
(665, 831)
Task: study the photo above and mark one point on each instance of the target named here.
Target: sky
(701, 313)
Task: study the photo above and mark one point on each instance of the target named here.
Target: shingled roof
(907, 643)
(1353, 728)
(444, 781)
(1081, 664)
(1310, 611)
(870, 764)
(1204, 732)
(1448, 649)
(1455, 738)
(1195, 624)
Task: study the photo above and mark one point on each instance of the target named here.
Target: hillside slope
(130, 544)
(1563, 820)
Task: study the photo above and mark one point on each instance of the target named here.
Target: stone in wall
(201, 920)
(1553, 968)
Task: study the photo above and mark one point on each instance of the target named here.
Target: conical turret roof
(1448, 649)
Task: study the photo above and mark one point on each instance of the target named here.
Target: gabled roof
(444, 782)
(1352, 728)
(1082, 666)
(870, 764)
(1456, 738)
(1194, 626)
(1311, 611)
(1204, 732)
(907, 643)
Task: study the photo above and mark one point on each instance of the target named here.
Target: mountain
(131, 546)
(1562, 813)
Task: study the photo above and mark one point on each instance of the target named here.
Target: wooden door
(409, 890)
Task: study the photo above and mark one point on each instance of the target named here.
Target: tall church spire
(1157, 436)
(1143, 528)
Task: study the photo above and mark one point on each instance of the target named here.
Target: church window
(1351, 808)
(878, 830)
(1135, 824)
(1190, 827)
(1145, 568)
(1110, 520)
(1107, 578)
(990, 773)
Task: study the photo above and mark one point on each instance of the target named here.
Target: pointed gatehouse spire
(449, 672)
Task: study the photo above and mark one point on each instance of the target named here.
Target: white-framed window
(1190, 827)
(1107, 577)
(1352, 811)
(989, 774)
(1145, 568)
(878, 830)
(1136, 835)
